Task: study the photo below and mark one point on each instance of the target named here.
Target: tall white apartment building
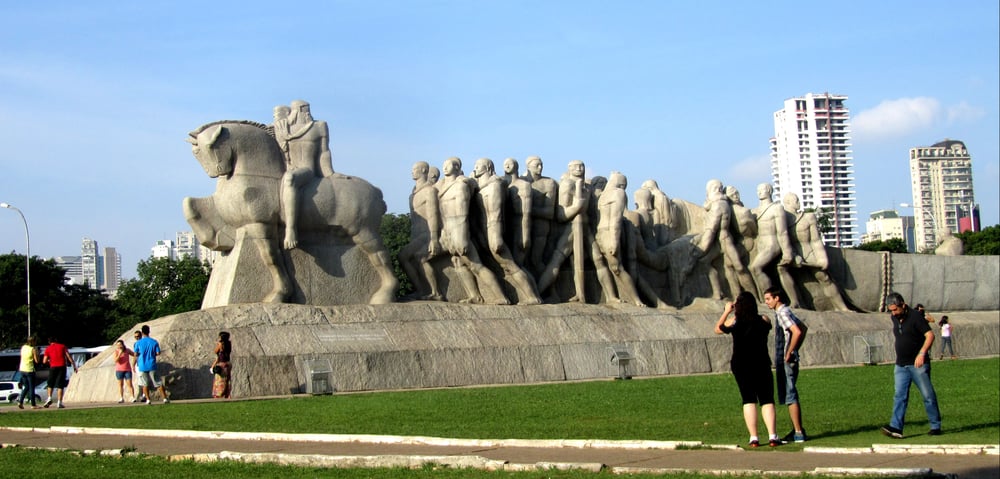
(91, 264)
(187, 245)
(164, 249)
(941, 181)
(811, 157)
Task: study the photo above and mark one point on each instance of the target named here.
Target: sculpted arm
(818, 256)
(573, 194)
(325, 157)
(784, 240)
(433, 224)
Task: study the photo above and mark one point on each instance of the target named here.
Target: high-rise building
(91, 264)
(164, 249)
(884, 225)
(112, 262)
(941, 181)
(73, 265)
(811, 157)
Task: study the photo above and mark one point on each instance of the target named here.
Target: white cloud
(964, 112)
(894, 118)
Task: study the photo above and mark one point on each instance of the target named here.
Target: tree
(395, 231)
(824, 219)
(985, 242)
(164, 287)
(893, 245)
(77, 314)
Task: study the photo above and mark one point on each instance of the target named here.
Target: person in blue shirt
(146, 351)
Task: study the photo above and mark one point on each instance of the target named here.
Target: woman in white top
(946, 337)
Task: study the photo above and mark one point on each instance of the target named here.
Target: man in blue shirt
(146, 351)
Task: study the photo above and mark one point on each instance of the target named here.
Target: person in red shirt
(57, 357)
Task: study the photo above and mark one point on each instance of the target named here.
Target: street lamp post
(27, 260)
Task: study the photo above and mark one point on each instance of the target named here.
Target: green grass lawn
(841, 407)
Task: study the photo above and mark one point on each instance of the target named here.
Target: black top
(223, 355)
(909, 329)
(749, 340)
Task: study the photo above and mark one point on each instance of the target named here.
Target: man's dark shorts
(57, 377)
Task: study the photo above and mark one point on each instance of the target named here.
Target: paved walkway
(896, 459)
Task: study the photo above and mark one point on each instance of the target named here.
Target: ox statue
(246, 205)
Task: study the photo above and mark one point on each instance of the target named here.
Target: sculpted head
(433, 174)
(420, 170)
(300, 112)
(534, 165)
(713, 189)
(764, 191)
(510, 166)
(452, 166)
(576, 169)
(484, 168)
(734, 195)
(617, 180)
(598, 183)
(791, 202)
(643, 199)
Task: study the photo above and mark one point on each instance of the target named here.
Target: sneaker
(755, 443)
(774, 442)
(892, 432)
(934, 432)
(121, 400)
(799, 436)
(61, 406)
(48, 402)
(166, 401)
(790, 437)
(148, 402)
(20, 405)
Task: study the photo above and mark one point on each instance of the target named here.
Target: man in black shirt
(913, 365)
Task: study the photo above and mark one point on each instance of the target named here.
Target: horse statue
(246, 205)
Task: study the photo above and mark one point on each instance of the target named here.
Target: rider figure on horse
(306, 143)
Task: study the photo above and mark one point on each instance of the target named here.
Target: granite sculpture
(245, 213)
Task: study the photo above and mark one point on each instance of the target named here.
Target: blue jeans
(27, 388)
(921, 377)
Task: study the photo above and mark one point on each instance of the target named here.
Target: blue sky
(96, 98)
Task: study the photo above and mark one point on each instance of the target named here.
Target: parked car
(11, 390)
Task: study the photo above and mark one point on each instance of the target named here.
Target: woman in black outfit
(751, 363)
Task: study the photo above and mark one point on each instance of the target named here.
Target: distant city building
(91, 266)
(164, 249)
(73, 265)
(811, 157)
(884, 225)
(112, 265)
(187, 245)
(941, 182)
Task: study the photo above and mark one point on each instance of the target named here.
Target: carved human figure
(810, 251)
(425, 228)
(455, 195)
(644, 209)
(280, 127)
(773, 242)
(544, 199)
(948, 245)
(576, 239)
(307, 143)
(433, 174)
(716, 242)
(663, 218)
(610, 237)
(745, 231)
(490, 199)
(518, 215)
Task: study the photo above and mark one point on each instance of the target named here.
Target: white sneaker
(61, 405)
(121, 400)
(148, 402)
(166, 401)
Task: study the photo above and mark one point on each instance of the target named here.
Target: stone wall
(432, 344)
